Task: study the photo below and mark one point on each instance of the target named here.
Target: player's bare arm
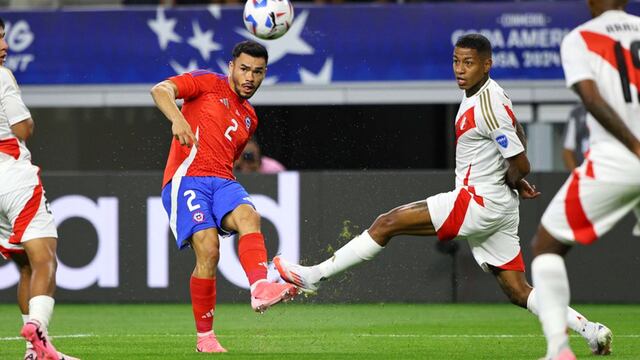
(24, 129)
(606, 115)
(519, 167)
(164, 95)
(526, 190)
(521, 135)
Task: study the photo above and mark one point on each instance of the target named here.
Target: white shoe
(298, 275)
(600, 339)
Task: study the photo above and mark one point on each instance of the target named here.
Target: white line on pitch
(432, 336)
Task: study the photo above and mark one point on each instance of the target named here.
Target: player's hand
(527, 191)
(182, 132)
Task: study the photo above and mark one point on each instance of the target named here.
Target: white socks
(359, 249)
(576, 321)
(552, 295)
(41, 308)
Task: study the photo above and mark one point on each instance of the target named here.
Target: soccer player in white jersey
(601, 64)
(27, 229)
(491, 164)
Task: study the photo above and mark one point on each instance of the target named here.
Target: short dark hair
(251, 48)
(475, 41)
(1, 23)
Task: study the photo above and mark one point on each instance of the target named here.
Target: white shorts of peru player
(492, 236)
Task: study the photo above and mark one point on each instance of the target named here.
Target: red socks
(253, 256)
(203, 301)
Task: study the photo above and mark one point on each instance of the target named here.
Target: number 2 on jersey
(634, 49)
(191, 196)
(232, 127)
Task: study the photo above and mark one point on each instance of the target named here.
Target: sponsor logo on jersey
(502, 141)
(247, 122)
(198, 216)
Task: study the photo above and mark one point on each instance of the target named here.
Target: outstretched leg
(409, 219)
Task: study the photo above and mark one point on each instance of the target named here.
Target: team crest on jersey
(198, 216)
(502, 141)
(247, 122)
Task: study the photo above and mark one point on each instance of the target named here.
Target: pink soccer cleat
(298, 275)
(564, 354)
(209, 344)
(265, 294)
(62, 356)
(37, 336)
(31, 354)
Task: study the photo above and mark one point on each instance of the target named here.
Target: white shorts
(24, 215)
(585, 208)
(493, 237)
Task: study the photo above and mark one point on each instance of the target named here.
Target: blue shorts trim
(201, 203)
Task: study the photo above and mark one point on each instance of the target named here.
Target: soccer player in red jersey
(601, 62)
(200, 193)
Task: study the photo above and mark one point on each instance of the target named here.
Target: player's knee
(247, 218)
(43, 258)
(384, 225)
(209, 253)
(43, 263)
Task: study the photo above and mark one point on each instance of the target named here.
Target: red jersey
(222, 121)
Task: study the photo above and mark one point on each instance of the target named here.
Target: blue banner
(348, 43)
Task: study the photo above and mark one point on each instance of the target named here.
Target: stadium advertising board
(115, 244)
(349, 43)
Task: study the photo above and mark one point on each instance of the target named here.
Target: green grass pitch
(310, 331)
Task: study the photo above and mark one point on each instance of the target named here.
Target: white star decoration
(290, 43)
(215, 11)
(322, 78)
(203, 41)
(179, 69)
(164, 29)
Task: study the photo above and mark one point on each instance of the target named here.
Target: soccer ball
(268, 19)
